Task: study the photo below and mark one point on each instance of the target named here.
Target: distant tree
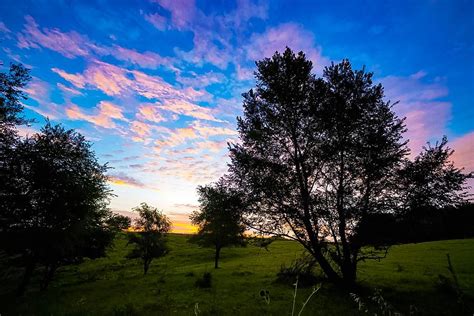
(317, 157)
(55, 212)
(149, 240)
(119, 222)
(219, 218)
(432, 181)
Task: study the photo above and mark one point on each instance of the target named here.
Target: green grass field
(116, 286)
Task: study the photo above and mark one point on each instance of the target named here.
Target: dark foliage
(425, 224)
(11, 94)
(219, 218)
(119, 222)
(54, 210)
(149, 240)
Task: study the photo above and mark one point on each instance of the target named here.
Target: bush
(205, 281)
(303, 268)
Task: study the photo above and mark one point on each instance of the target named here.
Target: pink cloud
(156, 20)
(105, 114)
(70, 44)
(183, 107)
(212, 146)
(150, 112)
(141, 130)
(146, 59)
(196, 130)
(208, 131)
(124, 179)
(278, 38)
(247, 9)
(68, 90)
(37, 90)
(40, 91)
(182, 11)
(212, 32)
(176, 137)
(192, 169)
(463, 155)
(426, 115)
(4, 28)
(113, 81)
(77, 80)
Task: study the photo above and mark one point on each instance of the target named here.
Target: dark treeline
(428, 224)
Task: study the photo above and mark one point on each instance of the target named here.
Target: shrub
(205, 281)
(301, 269)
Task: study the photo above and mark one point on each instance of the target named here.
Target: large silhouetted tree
(318, 156)
(149, 239)
(219, 218)
(55, 212)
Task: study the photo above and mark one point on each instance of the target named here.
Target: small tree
(219, 218)
(149, 240)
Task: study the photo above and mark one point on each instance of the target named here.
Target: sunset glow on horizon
(156, 85)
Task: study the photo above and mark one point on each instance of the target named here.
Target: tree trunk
(48, 276)
(146, 265)
(349, 274)
(216, 258)
(29, 269)
(326, 267)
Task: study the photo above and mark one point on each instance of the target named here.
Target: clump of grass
(189, 274)
(301, 269)
(205, 281)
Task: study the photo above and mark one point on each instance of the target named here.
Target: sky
(156, 85)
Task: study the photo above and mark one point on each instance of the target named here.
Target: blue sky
(156, 85)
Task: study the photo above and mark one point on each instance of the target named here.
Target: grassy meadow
(116, 286)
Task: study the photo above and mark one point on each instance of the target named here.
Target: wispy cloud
(73, 44)
(123, 179)
(289, 35)
(104, 115)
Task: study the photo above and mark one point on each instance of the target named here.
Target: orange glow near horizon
(183, 228)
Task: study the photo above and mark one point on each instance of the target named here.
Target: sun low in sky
(156, 85)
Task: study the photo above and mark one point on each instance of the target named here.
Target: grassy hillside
(117, 286)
